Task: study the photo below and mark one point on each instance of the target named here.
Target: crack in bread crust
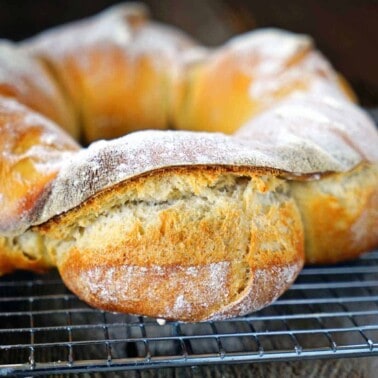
(203, 245)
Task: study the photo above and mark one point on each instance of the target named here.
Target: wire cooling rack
(329, 312)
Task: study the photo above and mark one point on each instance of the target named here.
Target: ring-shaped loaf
(277, 165)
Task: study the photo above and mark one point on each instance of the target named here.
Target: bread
(336, 232)
(27, 80)
(132, 61)
(253, 72)
(154, 76)
(32, 151)
(181, 224)
(339, 210)
(187, 243)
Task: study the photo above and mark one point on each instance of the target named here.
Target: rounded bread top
(301, 137)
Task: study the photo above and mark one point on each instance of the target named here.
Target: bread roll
(28, 81)
(32, 151)
(118, 73)
(339, 208)
(188, 243)
(154, 206)
(249, 74)
(181, 224)
(336, 232)
(126, 73)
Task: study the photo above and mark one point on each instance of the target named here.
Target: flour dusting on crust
(293, 141)
(265, 286)
(121, 284)
(126, 29)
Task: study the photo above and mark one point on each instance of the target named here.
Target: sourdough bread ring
(188, 225)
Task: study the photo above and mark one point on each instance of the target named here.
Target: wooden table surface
(346, 31)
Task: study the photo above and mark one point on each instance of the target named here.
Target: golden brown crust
(119, 72)
(169, 80)
(251, 73)
(187, 243)
(176, 292)
(340, 214)
(32, 152)
(28, 81)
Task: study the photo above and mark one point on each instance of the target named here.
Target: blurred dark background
(345, 30)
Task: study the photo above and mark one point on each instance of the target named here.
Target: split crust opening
(177, 235)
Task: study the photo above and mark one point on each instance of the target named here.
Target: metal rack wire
(329, 312)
